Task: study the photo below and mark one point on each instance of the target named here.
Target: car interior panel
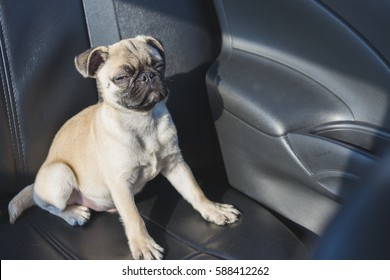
(281, 108)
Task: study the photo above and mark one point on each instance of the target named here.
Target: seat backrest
(40, 88)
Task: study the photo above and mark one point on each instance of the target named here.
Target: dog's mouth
(143, 100)
(142, 92)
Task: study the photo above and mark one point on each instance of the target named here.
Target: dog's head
(129, 74)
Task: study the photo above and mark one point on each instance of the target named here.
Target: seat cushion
(170, 220)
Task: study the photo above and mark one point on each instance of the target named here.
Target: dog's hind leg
(53, 188)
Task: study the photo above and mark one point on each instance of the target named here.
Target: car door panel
(300, 101)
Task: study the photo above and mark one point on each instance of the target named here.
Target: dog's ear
(89, 62)
(157, 49)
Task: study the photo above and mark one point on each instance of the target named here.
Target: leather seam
(17, 117)
(181, 240)
(6, 101)
(13, 121)
(55, 244)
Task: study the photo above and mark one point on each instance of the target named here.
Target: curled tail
(21, 202)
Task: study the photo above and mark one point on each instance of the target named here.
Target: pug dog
(105, 154)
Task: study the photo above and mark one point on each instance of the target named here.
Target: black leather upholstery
(40, 90)
(169, 219)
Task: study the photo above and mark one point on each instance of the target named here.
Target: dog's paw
(220, 214)
(145, 248)
(76, 215)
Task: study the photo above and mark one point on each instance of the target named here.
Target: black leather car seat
(40, 90)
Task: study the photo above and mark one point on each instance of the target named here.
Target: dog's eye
(121, 78)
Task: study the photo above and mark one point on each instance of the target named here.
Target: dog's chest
(149, 156)
(151, 150)
(140, 146)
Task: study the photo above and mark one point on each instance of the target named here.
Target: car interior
(282, 110)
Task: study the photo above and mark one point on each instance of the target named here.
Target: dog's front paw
(220, 214)
(145, 248)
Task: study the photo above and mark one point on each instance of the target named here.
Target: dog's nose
(147, 77)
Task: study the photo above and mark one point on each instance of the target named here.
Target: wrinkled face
(130, 73)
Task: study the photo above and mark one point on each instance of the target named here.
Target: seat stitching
(12, 108)
(182, 241)
(52, 240)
